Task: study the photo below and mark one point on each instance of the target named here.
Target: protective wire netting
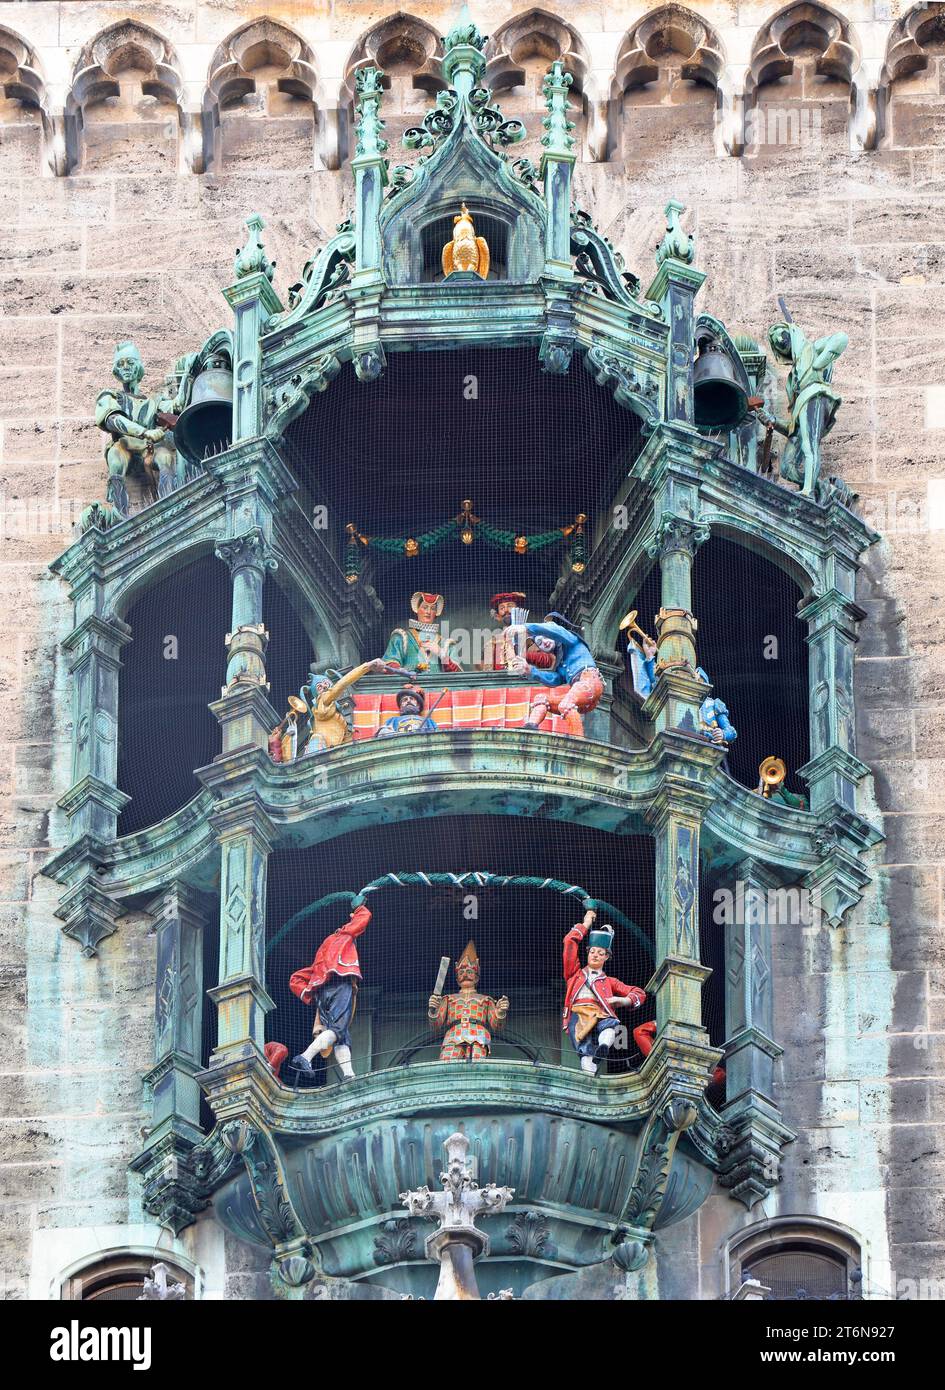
(398, 458)
(518, 931)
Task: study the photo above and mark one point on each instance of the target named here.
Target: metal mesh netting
(518, 931)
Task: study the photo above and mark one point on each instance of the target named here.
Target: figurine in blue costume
(410, 719)
(714, 724)
(575, 684)
(641, 650)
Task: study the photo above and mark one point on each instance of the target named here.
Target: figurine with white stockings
(591, 995)
(331, 984)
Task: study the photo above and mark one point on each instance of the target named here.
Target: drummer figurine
(591, 995)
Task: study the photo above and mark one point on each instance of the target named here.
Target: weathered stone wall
(120, 213)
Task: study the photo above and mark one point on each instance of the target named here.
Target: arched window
(126, 1278)
(797, 1259)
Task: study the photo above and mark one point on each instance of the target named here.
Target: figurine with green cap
(591, 995)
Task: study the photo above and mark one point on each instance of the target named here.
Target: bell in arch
(720, 400)
(206, 426)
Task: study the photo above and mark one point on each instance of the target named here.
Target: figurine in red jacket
(592, 996)
(331, 984)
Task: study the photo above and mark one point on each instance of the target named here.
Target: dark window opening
(173, 667)
(800, 1271)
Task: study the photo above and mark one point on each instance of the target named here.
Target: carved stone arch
(811, 1235)
(408, 53)
(916, 47)
(134, 71)
(536, 34)
(518, 57)
(671, 32)
(23, 90)
(21, 77)
(912, 40)
(803, 31)
(264, 60)
(399, 42)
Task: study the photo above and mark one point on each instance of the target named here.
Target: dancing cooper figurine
(591, 996)
(331, 984)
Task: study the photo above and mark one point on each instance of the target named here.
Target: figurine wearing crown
(591, 995)
(466, 251)
(470, 1018)
(420, 646)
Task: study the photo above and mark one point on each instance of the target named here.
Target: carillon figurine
(591, 995)
(771, 775)
(501, 608)
(812, 401)
(645, 1036)
(411, 718)
(140, 441)
(420, 646)
(331, 984)
(641, 649)
(575, 684)
(714, 724)
(470, 1018)
(325, 725)
(466, 251)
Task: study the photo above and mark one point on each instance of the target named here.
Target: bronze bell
(720, 401)
(206, 426)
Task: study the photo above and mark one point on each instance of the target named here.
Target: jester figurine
(420, 646)
(591, 995)
(470, 1018)
(325, 724)
(575, 684)
(331, 984)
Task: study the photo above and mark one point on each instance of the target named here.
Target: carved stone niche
(24, 114)
(666, 79)
(123, 111)
(408, 52)
(799, 81)
(910, 83)
(518, 56)
(259, 106)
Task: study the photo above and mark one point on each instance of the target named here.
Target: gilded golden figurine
(466, 251)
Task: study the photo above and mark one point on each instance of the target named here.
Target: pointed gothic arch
(269, 71)
(127, 75)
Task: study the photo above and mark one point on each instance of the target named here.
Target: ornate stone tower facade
(603, 350)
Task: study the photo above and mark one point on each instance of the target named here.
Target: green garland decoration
(474, 878)
(465, 527)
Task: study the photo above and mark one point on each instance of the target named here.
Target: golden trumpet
(772, 773)
(630, 624)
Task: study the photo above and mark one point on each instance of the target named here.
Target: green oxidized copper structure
(598, 1164)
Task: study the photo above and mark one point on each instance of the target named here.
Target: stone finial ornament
(466, 251)
(252, 258)
(676, 245)
(458, 1242)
